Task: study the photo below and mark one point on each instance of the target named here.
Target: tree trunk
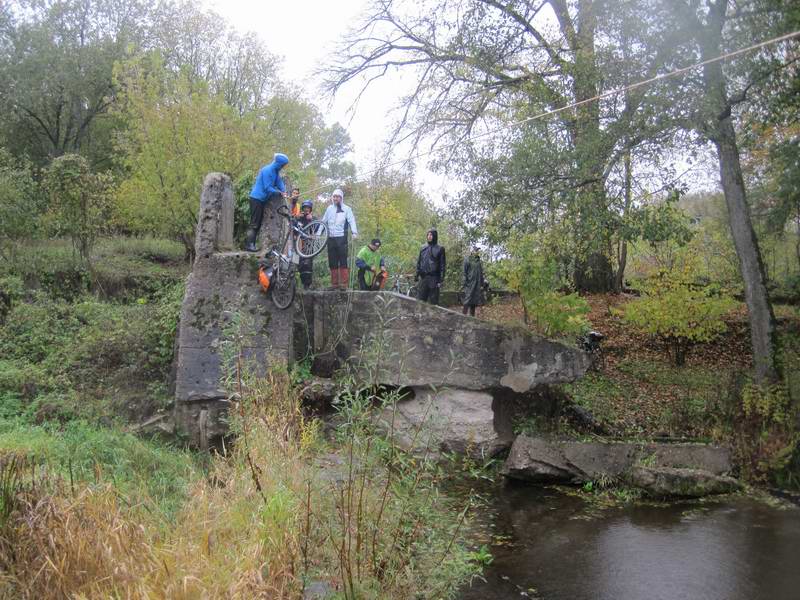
(718, 127)
(622, 256)
(594, 271)
(762, 320)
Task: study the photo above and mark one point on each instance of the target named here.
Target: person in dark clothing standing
(472, 282)
(431, 266)
(267, 186)
(306, 265)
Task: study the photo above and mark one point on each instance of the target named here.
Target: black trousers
(306, 269)
(337, 252)
(256, 213)
(428, 290)
(362, 281)
(470, 308)
(257, 217)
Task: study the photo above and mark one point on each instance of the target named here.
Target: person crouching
(371, 268)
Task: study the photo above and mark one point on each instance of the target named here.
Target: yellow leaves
(178, 131)
(677, 309)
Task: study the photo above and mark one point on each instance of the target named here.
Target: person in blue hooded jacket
(268, 186)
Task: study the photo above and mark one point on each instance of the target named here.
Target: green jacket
(367, 259)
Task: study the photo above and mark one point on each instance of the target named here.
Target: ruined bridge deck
(383, 336)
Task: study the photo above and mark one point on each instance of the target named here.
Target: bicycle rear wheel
(283, 289)
(311, 239)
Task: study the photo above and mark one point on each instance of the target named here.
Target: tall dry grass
(265, 521)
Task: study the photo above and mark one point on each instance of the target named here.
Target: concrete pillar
(226, 217)
(215, 218)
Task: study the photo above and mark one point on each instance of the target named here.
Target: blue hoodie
(268, 180)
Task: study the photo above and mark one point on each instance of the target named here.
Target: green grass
(154, 250)
(596, 392)
(143, 471)
(122, 268)
(74, 364)
(663, 374)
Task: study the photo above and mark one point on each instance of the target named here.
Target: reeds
(263, 522)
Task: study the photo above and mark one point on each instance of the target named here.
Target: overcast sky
(303, 33)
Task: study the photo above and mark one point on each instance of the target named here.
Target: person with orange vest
(294, 205)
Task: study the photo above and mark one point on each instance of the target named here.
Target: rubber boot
(344, 278)
(335, 278)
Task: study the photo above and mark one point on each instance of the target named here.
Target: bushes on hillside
(54, 350)
(679, 311)
(536, 279)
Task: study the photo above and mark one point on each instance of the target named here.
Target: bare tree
(480, 63)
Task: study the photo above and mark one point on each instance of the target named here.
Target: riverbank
(636, 393)
(88, 509)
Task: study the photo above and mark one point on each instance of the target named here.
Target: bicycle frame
(282, 288)
(402, 284)
(295, 232)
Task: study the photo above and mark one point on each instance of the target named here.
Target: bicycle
(278, 279)
(403, 284)
(307, 240)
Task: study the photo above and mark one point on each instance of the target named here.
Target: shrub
(763, 433)
(558, 314)
(11, 290)
(679, 312)
(537, 281)
(79, 201)
(77, 353)
(20, 203)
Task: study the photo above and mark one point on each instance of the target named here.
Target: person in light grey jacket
(339, 218)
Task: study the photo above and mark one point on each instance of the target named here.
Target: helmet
(307, 204)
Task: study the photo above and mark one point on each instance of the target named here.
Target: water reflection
(563, 549)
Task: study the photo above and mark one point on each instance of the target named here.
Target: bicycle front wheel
(283, 290)
(311, 239)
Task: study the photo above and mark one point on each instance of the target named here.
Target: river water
(553, 546)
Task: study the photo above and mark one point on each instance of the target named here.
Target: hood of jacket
(434, 237)
(280, 160)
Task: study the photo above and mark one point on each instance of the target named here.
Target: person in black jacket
(431, 266)
(306, 265)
